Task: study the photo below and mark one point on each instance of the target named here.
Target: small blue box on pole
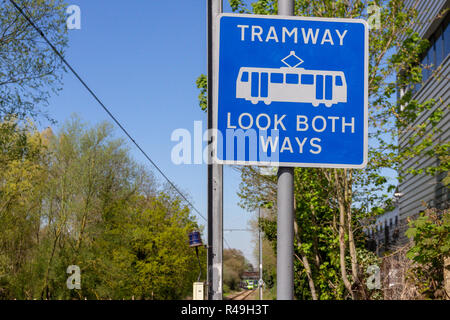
(195, 239)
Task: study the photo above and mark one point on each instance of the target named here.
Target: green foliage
(431, 235)
(29, 69)
(238, 6)
(20, 172)
(317, 237)
(202, 83)
(148, 251)
(77, 198)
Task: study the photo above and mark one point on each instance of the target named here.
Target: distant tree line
(234, 265)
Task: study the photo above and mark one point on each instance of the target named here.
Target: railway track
(242, 295)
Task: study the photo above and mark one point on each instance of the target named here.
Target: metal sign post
(285, 212)
(260, 282)
(215, 172)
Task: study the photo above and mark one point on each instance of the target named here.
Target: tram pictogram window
(276, 78)
(292, 78)
(307, 79)
(244, 77)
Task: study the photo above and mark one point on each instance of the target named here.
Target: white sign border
(215, 104)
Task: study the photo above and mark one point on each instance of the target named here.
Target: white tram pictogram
(291, 84)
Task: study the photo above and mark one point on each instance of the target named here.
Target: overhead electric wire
(104, 107)
(226, 243)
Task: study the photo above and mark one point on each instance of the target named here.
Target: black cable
(226, 243)
(103, 106)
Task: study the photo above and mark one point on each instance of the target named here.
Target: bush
(430, 232)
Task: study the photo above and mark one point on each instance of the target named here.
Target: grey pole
(286, 7)
(215, 174)
(285, 220)
(260, 257)
(285, 234)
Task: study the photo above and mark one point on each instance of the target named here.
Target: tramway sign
(291, 91)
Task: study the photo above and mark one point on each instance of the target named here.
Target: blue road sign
(291, 91)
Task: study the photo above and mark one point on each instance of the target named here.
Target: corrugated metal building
(419, 192)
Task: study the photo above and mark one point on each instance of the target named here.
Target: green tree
(21, 179)
(128, 238)
(146, 251)
(76, 197)
(29, 70)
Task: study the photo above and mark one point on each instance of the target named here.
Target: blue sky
(142, 59)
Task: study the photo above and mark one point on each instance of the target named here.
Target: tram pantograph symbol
(291, 84)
